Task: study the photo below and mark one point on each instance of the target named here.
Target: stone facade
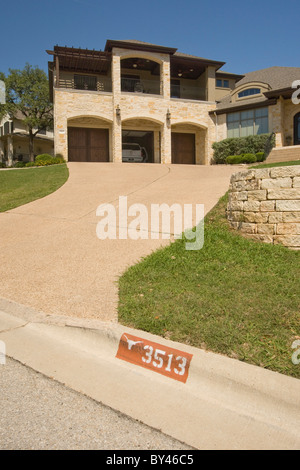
(190, 116)
(264, 204)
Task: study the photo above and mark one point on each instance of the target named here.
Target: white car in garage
(132, 152)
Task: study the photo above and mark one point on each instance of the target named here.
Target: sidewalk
(224, 404)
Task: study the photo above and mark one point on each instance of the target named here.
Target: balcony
(87, 83)
(136, 85)
(184, 92)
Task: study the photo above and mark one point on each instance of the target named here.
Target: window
(250, 122)
(249, 92)
(85, 82)
(222, 83)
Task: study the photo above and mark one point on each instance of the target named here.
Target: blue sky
(246, 35)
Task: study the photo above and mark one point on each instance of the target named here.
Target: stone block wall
(264, 204)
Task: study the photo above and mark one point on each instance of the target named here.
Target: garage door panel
(183, 148)
(88, 145)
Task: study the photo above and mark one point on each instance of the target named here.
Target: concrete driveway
(51, 258)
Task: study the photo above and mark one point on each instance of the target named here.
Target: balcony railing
(103, 84)
(135, 85)
(188, 92)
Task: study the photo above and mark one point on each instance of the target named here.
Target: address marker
(167, 361)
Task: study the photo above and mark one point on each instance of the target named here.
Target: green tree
(27, 91)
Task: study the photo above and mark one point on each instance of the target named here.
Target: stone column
(165, 78)
(117, 111)
(156, 147)
(166, 151)
(10, 150)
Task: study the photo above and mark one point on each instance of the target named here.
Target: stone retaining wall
(264, 204)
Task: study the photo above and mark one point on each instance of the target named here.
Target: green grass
(236, 296)
(271, 165)
(18, 187)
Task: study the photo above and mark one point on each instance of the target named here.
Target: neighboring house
(261, 103)
(14, 141)
(174, 105)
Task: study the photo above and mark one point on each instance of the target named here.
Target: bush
(46, 159)
(43, 159)
(2, 165)
(249, 158)
(234, 159)
(59, 155)
(238, 146)
(260, 156)
(28, 164)
(19, 165)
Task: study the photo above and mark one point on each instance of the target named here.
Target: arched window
(249, 92)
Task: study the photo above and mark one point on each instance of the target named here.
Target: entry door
(297, 129)
(183, 148)
(88, 145)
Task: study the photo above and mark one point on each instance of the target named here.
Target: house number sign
(167, 361)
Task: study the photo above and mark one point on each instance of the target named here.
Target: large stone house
(174, 105)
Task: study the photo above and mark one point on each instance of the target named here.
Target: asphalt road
(37, 413)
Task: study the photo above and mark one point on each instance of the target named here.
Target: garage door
(88, 145)
(183, 148)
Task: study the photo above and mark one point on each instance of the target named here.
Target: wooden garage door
(88, 145)
(183, 148)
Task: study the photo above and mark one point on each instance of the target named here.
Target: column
(165, 77)
(1, 151)
(117, 111)
(166, 152)
(10, 150)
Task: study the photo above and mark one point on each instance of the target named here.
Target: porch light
(168, 116)
(179, 74)
(118, 111)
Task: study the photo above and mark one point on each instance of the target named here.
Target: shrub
(239, 145)
(46, 159)
(234, 159)
(59, 155)
(19, 165)
(28, 164)
(260, 156)
(43, 159)
(2, 165)
(248, 158)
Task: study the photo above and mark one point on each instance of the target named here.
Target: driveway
(51, 258)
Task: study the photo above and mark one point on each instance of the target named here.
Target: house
(172, 104)
(14, 140)
(261, 102)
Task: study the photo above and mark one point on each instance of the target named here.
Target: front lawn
(271, 165)
(18, 187)
(236, 296)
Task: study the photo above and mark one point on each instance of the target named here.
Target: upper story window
(85, 82)
(249, 92)
(220, 83)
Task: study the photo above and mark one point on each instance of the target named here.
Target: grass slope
(236, 296)
(18, 187)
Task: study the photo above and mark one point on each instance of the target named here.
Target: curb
(224, 403)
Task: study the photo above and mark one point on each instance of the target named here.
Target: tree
(27, 91)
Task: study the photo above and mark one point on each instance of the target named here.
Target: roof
(135, 44)
(278, 78)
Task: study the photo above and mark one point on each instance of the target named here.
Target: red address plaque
(154, 356)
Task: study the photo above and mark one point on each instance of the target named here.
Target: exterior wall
(152, 109)
(264, 205)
